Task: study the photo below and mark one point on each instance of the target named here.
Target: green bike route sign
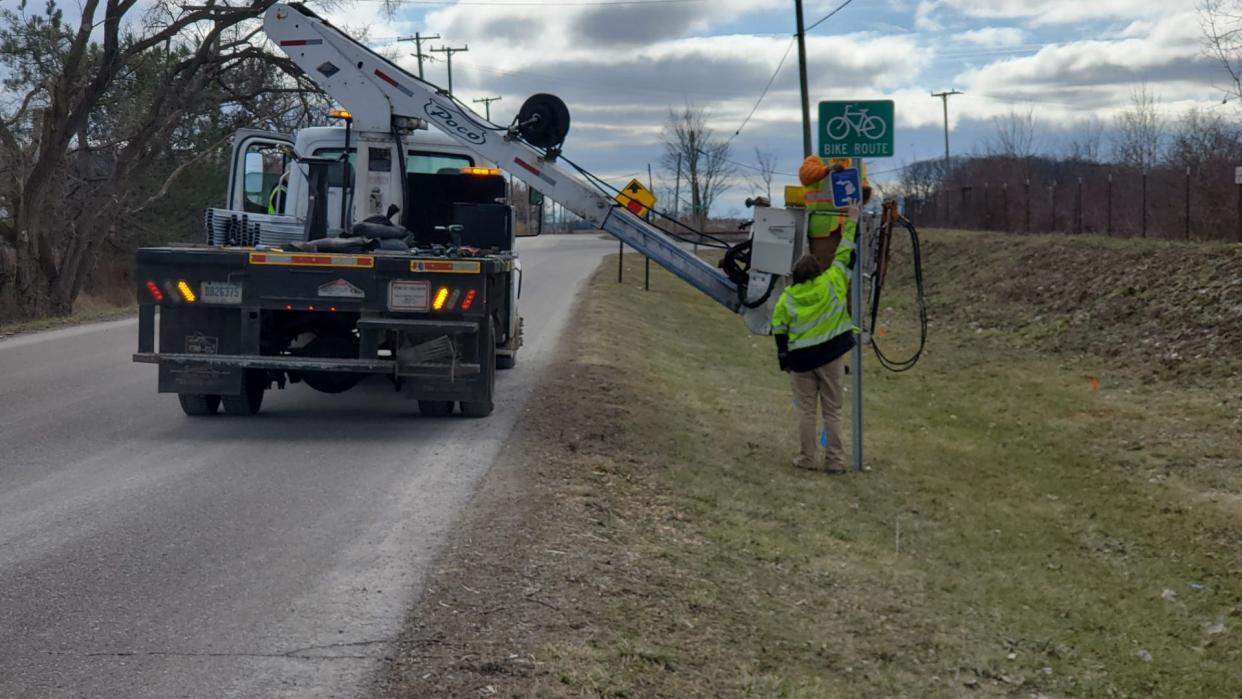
(856, 129)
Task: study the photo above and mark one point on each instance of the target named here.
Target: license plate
(222, 292)
(409, 296)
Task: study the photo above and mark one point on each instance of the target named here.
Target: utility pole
(944, 98)
(448, 57)
(487, 105)
(418, 40)
(806, 103)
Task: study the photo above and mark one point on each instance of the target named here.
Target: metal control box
(777, 236)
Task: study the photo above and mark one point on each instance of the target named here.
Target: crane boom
(382, 96)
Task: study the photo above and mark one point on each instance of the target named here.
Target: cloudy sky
(620, 66)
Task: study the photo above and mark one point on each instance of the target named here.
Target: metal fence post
(1078, 227)
(1143, 229)
(1027, 217)
(1108, 225)
(987, 210)
(1005, 204)
(1052, 217)
(1239, 231)
(1187, 202)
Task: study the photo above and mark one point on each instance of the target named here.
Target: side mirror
(534, 198)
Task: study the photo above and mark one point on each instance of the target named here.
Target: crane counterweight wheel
(543, 121)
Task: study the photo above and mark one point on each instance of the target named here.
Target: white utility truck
(385, 247)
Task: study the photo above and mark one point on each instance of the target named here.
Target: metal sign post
(856, 358)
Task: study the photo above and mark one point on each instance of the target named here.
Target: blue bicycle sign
(856, 129)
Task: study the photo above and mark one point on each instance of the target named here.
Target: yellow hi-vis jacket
(811, 320)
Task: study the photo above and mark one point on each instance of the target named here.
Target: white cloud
(993, 37)
(1099, 74)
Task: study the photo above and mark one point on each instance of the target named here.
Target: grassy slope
(1051, 537)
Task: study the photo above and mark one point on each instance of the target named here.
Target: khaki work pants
(814, 390)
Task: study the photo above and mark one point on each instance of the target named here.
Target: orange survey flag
(812, 171)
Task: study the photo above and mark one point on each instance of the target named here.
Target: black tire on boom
(544, 121)
(254, 384)
(198, 404)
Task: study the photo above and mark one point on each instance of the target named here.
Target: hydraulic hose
(884, 250)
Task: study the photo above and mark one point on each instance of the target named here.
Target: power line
(825, 17)
(765, 89)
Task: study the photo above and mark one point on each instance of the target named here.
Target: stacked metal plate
(225, 227)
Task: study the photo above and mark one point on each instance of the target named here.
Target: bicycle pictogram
(857, 121)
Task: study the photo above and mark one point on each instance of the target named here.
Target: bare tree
(1221, 21)
(110, 109)
(1200, 138)
(765, 170)
(1140, 130)
(705, 165)
(1087, 143)
(922, 177)
(1013, 135)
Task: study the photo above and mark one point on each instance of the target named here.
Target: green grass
(1019, 532)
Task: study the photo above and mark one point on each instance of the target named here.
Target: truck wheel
(506, 361)
(251, 399)
(198, 404)
(484, 407)
(436, 408)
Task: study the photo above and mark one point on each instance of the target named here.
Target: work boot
(804, 463)
(834, 467)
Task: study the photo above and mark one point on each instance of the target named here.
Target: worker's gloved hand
(783, 359)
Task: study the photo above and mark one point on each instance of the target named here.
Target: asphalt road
(147, 554)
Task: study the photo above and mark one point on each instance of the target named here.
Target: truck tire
(198, 404)
(251, 399)
(506, 361)
(435, 408)
(484, 407)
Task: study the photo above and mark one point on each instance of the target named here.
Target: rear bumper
(442, 370)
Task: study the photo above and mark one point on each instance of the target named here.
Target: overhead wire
(823, 19)
(781, 65)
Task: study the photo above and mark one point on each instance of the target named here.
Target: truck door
(259, 160)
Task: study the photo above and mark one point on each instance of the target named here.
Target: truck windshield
(421, 163)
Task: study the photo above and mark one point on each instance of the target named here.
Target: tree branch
(168, 181)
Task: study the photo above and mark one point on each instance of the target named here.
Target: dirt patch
(523, 567)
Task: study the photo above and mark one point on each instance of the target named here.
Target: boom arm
(379, 94)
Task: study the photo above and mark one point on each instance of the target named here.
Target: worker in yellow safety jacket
(276, 200)
(827, 221)
(814, 332)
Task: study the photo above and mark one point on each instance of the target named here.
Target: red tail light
(155, 292)
(468, 301)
